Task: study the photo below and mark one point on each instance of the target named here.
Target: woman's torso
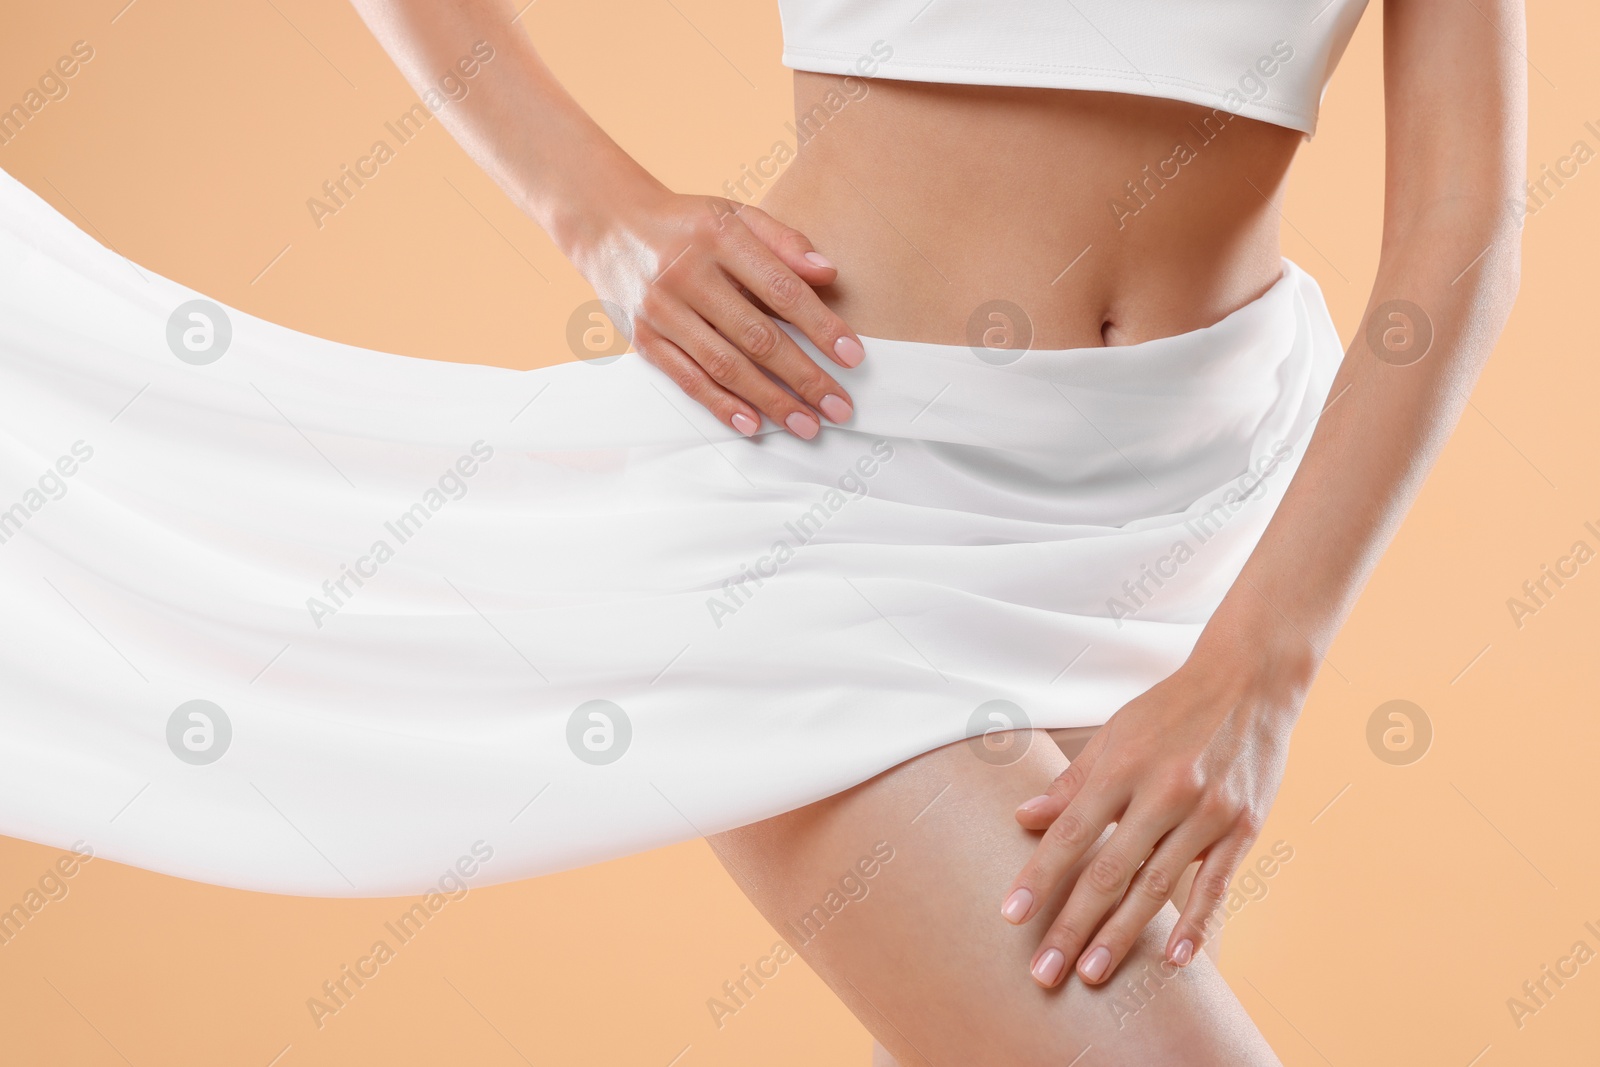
(1106, 218)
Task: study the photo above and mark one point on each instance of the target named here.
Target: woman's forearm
(519, 124)
(1385, 423)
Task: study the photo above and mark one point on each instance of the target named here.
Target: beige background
(1419, 897)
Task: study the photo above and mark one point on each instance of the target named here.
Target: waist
(1079, 218)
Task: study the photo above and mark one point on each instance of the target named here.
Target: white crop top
(1265, 59)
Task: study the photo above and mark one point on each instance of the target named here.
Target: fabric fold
(307, 618)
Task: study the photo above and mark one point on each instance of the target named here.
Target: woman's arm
(682, 269)
(1189, 769)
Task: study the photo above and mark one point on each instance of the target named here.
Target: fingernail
(1016, 905)
(1095, 963)
(802, 424)
(1183, 952)
(836, 408)
(1047, 968)
(849, 351)
(745, 424)
(1028, 807)
(817, 259)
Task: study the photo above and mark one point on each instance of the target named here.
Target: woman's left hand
(1186, 771)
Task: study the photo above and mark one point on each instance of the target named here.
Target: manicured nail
(1028, 807)
(1016, 905)
(817, 259)
(745, 424)
(803, 424)
(849, 351)
(1095, 963)
(1047, 968)
(835, 407)
(1183, 952)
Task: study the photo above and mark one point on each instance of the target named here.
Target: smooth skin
(923, 961)
(1028, 895)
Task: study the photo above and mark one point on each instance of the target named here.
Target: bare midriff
(1107, 218)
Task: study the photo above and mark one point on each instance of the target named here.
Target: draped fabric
(290, 615)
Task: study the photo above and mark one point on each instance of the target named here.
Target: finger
(789, 245)
(733, 371)
(1097, 891)
(1067, 841)
(776, 267)
(1148, 892)
(1039, 812)
(693, 380)
(759, 338)
(1200, 912)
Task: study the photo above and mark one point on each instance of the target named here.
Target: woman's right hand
(700, 279)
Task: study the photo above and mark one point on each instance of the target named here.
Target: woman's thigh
(891, 891)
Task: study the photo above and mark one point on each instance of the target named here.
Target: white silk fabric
(320, 620)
